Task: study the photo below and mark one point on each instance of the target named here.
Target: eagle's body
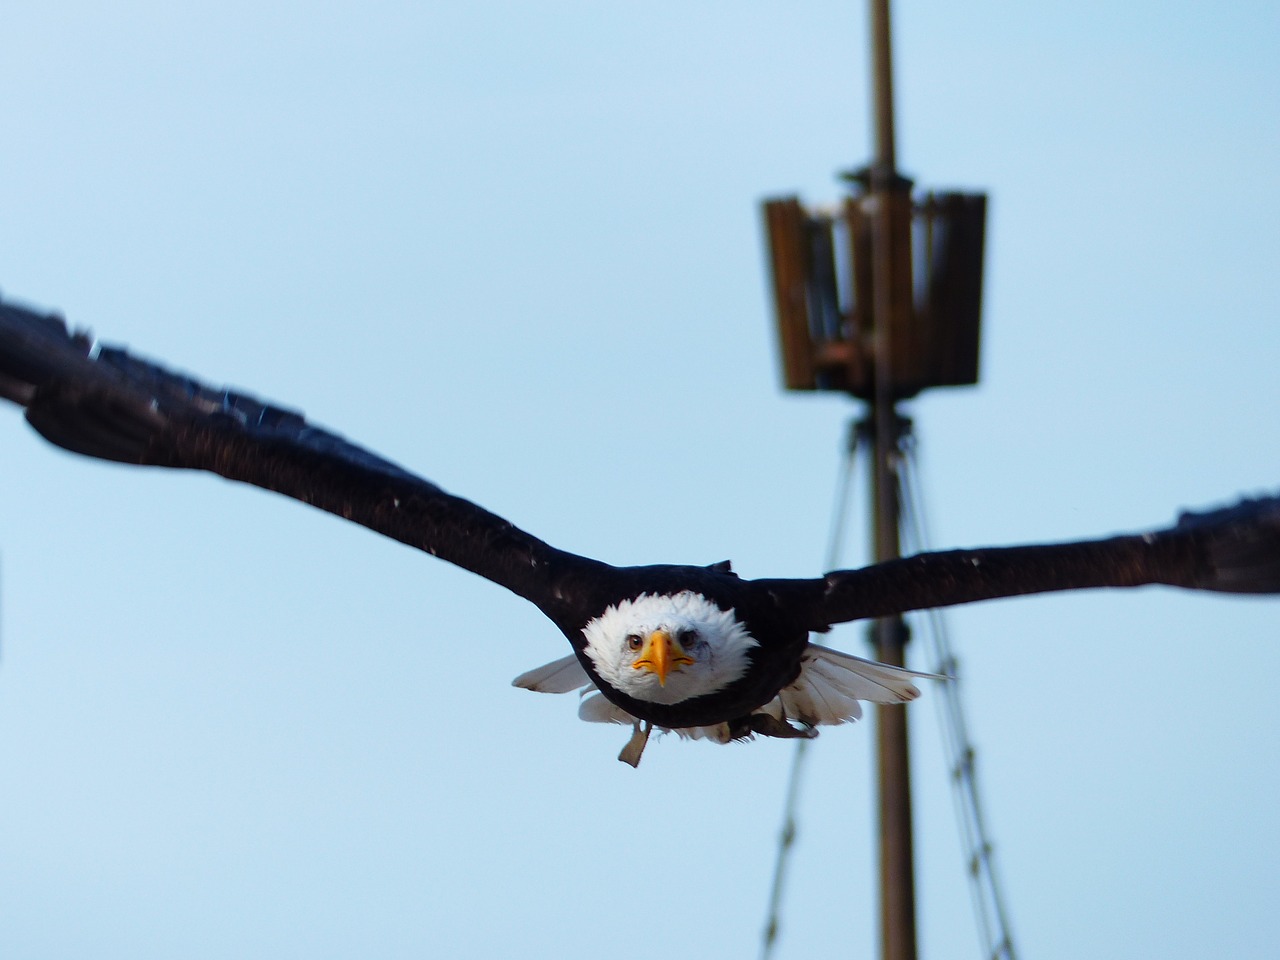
(712, 678)
(712, 649)
(693, 649)
(612, 603)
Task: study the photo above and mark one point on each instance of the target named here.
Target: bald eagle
(691, 649)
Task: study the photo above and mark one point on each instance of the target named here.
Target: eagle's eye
(634, 642)
(687, 636)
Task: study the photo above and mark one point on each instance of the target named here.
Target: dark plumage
(106, 403)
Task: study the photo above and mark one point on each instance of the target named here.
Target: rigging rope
(984, 884)
(787, 836)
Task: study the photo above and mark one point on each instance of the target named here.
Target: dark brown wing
(103, 402)
(1232, 550)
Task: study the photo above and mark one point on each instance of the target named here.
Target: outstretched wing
(1233, 550)
(102, 402)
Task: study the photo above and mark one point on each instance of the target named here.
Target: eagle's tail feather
(831, 683)
(559, 676)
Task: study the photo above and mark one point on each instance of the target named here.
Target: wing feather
(1234, 549)
(106, 403)
(103, 402)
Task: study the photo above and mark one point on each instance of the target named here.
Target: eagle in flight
(691, 649)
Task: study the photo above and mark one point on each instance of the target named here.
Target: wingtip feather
(1242, 546)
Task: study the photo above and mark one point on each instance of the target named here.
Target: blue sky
(519, 251)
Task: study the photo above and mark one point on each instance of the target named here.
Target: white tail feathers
(827, 691)
(831, 683)
(594, 708)
(559, 676)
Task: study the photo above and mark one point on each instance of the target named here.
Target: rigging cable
(984, 883)
(787, 836)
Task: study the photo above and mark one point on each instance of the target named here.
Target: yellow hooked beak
(662, 654)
